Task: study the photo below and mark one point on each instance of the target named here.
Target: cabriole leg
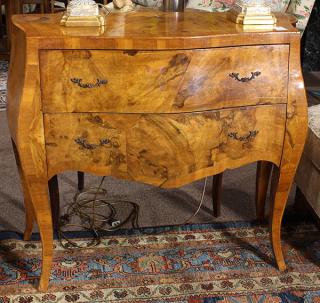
(41, 205)
(37, 186)
(279, 192)
(29, 212)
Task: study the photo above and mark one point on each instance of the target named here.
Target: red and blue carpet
(223, 263)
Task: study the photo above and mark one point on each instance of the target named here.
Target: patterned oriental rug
(223, 263)
(3, 84)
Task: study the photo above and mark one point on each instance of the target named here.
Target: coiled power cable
(97, 214)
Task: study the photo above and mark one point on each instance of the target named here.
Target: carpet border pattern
(291, 284)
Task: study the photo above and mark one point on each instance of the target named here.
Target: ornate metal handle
(245, 79)
(99, 82)
(252, 134)
(102, 142)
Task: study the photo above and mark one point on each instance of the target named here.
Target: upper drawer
(162, 81)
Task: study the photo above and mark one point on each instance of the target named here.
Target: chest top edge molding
(151, 29)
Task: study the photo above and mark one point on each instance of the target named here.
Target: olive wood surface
(153, 30)
(175, 81)
(165, 150)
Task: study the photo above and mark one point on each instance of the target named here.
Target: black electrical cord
(85, 206)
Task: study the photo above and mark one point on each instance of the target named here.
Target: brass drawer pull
(102, 142)
(252, 134)
(99, 82)
(245, 79)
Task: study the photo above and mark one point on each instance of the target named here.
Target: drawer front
(162, 81)
(164, 149)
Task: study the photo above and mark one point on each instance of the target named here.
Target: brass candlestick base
(73, 21)
(251, 15)
(252, 19)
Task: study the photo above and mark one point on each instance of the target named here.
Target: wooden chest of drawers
(189, 96)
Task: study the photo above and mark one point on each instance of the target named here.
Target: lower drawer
(164, 149)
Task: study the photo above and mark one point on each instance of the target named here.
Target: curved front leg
(294, 139)
(281, 182)
(37, 188)
(40, 201)
(29, 212)
(280, 186)
(35, 184)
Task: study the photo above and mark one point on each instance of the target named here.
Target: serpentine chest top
(160, 98)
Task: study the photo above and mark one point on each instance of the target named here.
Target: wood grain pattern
(74, 142)
(201, 144)
(176, 149)
(175, 81)
(157, 142)
(151, 29)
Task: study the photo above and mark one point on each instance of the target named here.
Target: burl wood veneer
(175, 81)
(160, 98)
